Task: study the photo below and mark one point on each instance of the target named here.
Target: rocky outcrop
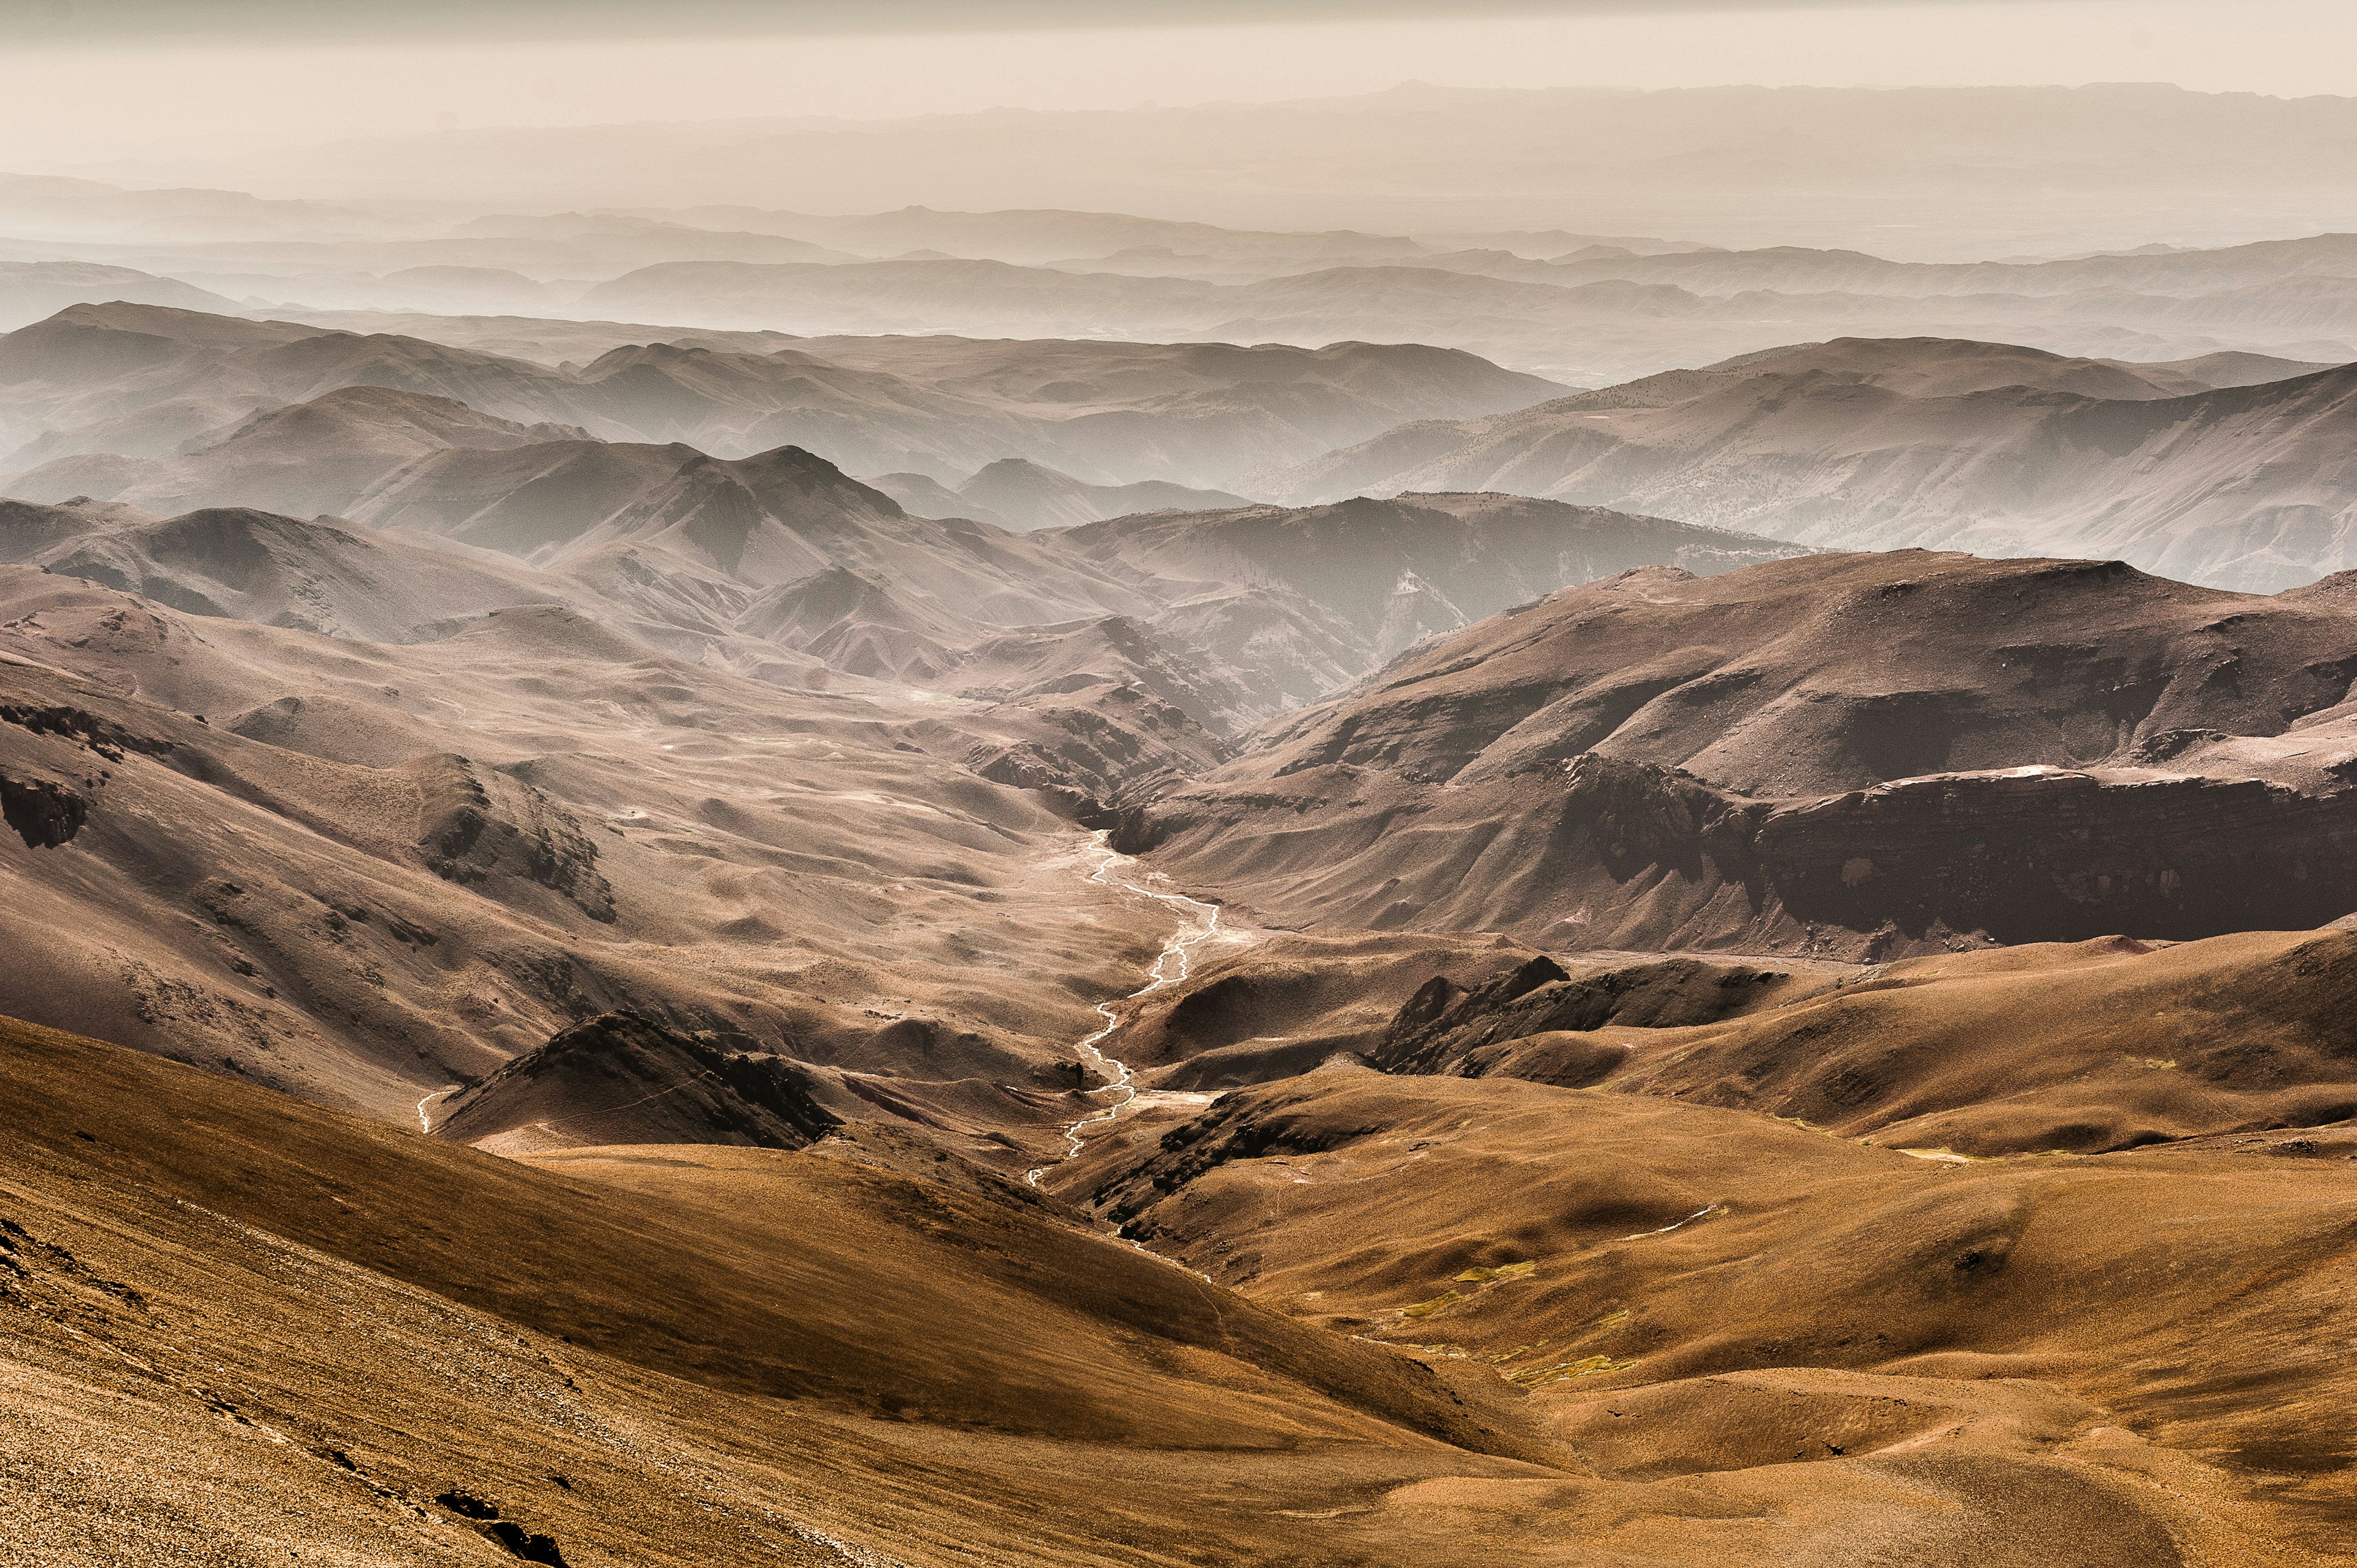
(1448, 1029)
(476, 827)
(623, 1078)
(103, 736)
(44, 814)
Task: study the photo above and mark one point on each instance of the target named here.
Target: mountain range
(1996, 170)
(2221, 470)
(1880, 445)
(1613, 303)
(1247, 953)
(118, 379)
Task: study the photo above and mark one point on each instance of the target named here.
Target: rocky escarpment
(44, 814)
(2034, 853)
(1449, 1028)
(1605, 853)
(2060, 855)
(45, 791)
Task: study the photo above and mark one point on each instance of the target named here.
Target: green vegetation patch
(1585, 1367)
(1437, 1303)
(1503, 1271)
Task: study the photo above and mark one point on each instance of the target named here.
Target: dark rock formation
(622, 1078)
(1445, 1029)
(44, 814)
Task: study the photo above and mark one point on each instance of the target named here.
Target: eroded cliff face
(2048, 854)
(44, 813)
(1602, 852)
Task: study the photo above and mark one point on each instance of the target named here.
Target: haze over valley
(1022, 788)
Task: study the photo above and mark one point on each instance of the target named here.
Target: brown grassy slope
(654, 1355)
(2141, 1347)
(691, 1285)
(197, 1286)
(2083, 1046)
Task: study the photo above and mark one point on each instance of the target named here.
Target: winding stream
(424, 1124)
(1203, 923)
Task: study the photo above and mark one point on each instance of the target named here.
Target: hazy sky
(97, 86)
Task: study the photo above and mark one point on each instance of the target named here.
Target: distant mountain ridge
(1016, 493)
(1875, 445)
(136, 380)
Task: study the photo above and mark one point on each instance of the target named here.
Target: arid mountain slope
(1262, 610)
(251, 566)
(135, 380)
(1855, 754)
(622, 1078)
(1936, 366)
(31, 290)
(1199, 414)
(541, 340)
(757, 523)
(367, 873)
(2229, 368)
(303, 459)
(2244, 487)
(1400, 569)
(1025, 495)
